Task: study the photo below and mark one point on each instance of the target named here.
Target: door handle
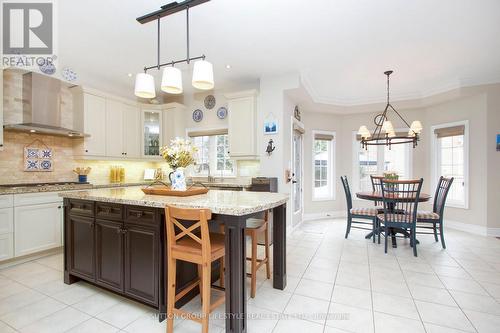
(294, 182)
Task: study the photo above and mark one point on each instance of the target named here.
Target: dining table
(376, 196)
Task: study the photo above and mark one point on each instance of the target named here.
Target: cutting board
(167, 191)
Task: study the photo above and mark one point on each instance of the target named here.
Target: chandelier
(384, 133)
(171, 83)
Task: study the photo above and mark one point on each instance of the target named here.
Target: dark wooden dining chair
(400, 198)
(434, 220)
(353, 214)
(377, 187)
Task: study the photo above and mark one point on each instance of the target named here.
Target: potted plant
(179, 155)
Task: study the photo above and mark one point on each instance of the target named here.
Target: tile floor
(353, 281)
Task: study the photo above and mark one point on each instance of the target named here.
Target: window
(451, 160)
(212, 157)
(375, 160)
(323, 177)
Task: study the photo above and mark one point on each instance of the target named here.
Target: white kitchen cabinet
(242, 113)
(131, 131)
(6, 246)
(151, 132)
(174, 122)
(114, 129)
(94, 123)
(6, 220)
(123, 138)
(37, 228)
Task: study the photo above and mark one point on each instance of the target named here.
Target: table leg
(235, 284)
(393, 238)
(279, 247)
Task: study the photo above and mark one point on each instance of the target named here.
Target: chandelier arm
(158, 51)
(393, 109)
(174, 62)
(379, 126)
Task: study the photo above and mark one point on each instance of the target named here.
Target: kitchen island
(115, 238)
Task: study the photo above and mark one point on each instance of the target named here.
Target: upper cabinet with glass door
(151, 132)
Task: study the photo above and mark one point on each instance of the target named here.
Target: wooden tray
(165, 190)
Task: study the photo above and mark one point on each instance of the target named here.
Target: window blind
(326, 137)
(220, 131)
(449, 131)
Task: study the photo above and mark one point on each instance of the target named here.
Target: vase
(178, 180)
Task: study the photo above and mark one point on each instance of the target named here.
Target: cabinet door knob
(86, 150)
(59, 207)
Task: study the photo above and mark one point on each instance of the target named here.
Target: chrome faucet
(211, 179)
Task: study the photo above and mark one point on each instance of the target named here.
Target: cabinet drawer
(6, 200)
(141, 215)
(28, 199)
(108, 211)
(81, 207)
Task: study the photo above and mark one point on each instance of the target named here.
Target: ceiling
(340, 47)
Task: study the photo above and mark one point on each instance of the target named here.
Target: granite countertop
(222, 184)
(236, 203)
(20, 189)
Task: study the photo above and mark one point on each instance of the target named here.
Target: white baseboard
(323, 215)
(473, 229)
(494, 232)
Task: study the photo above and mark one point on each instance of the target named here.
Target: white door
(37, 228)
(297, 178)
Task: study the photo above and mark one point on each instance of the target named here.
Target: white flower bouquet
(180, 153)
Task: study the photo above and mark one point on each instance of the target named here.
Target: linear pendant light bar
(169, 9)
(172, 77)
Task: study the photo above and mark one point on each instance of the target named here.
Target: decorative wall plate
(222, 112)
(68, 74)
(197, 115)
(210, 102)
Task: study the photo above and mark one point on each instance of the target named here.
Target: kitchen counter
(21, 189)
(236, 203)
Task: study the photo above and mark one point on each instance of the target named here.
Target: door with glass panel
(297, 178)
(151, 133)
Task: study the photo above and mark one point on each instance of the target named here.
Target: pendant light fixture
(171, 83)
(384, 133)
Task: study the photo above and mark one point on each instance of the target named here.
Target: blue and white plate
(69, 74)
(222, 112)
(197, 115)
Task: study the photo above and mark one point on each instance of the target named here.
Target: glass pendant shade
(416, 126)
(171, 81)
(144, 86)
(391, 134)
(203, 75)
(387, 126)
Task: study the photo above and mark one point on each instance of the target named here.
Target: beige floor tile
(315, 289)
(352, 296)
(389, 323)
(32, 312)
(310, 309)
(432, 295)
(477, 303)
(443, 315)
(122, 314)
(93, 326)
(19, 300)
(57, 322)
(484, 322)
(297, 325)
(271, 299)
(350, 318)
(395, 305)
(97, 303)
(76, 293)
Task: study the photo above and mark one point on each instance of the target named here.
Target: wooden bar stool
(253, 228)
(201, 248)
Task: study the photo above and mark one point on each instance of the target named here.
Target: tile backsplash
(12, 167)
(12, 159)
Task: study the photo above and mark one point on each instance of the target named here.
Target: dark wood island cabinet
(115, 239)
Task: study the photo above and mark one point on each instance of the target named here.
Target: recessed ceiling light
(32, 131)
(228, 66)
(129, 74)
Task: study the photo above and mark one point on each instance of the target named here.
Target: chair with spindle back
(424, 218)
(353, 214)
(193, 244)
(400, 198)
(377, 187)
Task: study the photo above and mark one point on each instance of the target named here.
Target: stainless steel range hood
(42, 110)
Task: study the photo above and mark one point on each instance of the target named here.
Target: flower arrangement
(392, 175)
(180, 153)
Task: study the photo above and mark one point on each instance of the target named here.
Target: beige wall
(482, 110)
(493, 159)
